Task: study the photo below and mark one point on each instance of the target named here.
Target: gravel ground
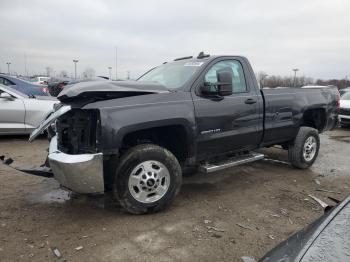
(243, 211)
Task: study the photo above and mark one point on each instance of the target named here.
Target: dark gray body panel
(285, 108)
(122, 116)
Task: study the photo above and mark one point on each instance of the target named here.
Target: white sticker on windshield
(193, 64)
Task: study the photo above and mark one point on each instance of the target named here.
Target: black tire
(296, 148)
(130, 160)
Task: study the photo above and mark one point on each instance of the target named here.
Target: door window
(5, 82)
(238, 80)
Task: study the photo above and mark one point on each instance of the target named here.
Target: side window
(7, 82)
(238, 81)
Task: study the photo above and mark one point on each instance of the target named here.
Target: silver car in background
(344, 111)
(21, 113)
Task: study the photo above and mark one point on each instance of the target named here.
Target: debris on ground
(327, 191)
(284, 211)
(56, 252)
(334, 199)
(290, 221)
(79, 248)
(247, 259)
(272, 214)
(245, 226)
(271, 237)
(232, 240)
(319, 201)
(216, 235)
(317, 182)
(215, 229)
(207, 221)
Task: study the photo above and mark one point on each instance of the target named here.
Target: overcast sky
(276, 35)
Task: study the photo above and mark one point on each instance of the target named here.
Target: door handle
(250, 101)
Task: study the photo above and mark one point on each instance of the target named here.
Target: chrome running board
(234, 161)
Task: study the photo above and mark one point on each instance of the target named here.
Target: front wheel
(304, 149)
(147, 179)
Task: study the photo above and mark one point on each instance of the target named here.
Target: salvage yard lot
(242, 211)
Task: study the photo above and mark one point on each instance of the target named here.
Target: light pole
(75, 61)
(8, 67)
(295, 75)
(110, 72)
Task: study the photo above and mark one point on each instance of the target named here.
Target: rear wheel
(304, 149)
(147, 179)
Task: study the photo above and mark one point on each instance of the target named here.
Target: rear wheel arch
(315, 118)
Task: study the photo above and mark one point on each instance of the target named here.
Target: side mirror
(6, 96)
(225, 87)
(221, 88)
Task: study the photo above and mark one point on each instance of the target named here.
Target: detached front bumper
(79, 173)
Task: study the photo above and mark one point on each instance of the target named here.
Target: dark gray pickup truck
(137, 138)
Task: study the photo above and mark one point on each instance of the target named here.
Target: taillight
(338, 101)
(45, 90)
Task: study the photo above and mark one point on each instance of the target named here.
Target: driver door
(228, 123)
(12, 114)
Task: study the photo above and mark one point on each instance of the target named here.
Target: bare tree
(63, 73)
(48, 71)
(287, 81)
(89, 72)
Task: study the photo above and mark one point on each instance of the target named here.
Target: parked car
(55, 86)
(344, 90)
(325, 240)
(21, 113)
(23, 86)
(344, 111)
(137, 138)
(40, 80)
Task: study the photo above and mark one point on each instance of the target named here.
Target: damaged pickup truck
(137, 138)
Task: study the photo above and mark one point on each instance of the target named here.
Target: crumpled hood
(103, 90)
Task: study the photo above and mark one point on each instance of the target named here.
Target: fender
(121, 117)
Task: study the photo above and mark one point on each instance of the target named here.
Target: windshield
(346, 96)
(172, 75)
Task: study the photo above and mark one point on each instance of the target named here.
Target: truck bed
(285, 107)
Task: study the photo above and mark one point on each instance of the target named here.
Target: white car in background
(21, 113)
(344, 112)
(40, 80)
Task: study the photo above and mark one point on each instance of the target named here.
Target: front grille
(344, 111)
(78, 132)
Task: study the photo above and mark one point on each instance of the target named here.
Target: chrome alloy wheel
(149, 181)
(310, 147)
